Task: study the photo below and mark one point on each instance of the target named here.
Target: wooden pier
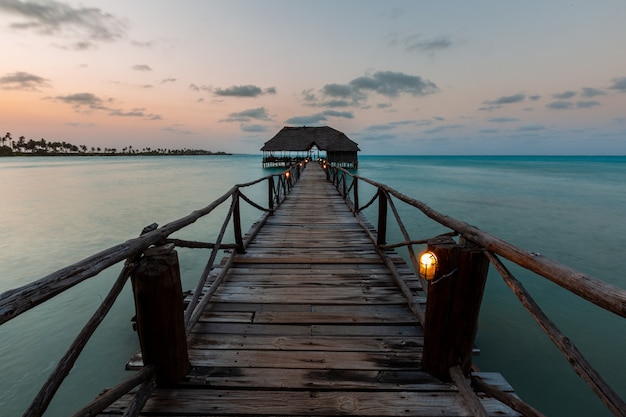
(311, 312)
(309, 322)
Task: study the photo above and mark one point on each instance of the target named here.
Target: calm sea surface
(57, 210)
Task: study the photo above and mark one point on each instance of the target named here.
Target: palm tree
(5, 138)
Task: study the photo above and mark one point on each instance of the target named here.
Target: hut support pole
(452, 307)
(160, 311)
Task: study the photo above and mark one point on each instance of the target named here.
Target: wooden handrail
(16, 301)
(576, 359)
(594, 290)
(603, 294)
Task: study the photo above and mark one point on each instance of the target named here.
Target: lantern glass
(428, 265)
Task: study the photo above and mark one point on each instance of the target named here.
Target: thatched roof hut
(292, 144)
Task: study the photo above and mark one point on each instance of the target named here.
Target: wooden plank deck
(309, 322)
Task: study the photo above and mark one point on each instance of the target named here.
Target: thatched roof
(304, 138)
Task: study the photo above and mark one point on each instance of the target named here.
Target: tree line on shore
(22, 147)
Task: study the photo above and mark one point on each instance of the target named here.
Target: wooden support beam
(382, 218)
(452, 307)
(160, 323)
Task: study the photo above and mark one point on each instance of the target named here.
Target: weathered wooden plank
(309, 321)
(322, 379)
(319, 343)
(301, 359)
(394, 314)
(310, 330)
(311, 403)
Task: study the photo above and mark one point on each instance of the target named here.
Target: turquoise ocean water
(57, 210)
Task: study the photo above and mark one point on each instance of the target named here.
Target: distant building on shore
(293, 144)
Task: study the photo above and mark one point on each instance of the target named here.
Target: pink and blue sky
(398, 77)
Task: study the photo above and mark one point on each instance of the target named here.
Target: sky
(398, 77)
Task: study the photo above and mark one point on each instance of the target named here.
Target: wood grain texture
(309, 321)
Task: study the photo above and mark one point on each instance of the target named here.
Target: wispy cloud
(317, 118)
(592, 92)
(259, 113)
(567, 105)
(177, 129)
(499, 102)
(355, 92)
(253, 128)
(139, 112)
(243, 91)
(89, 25)
(88, 102)
(84, 101)
(532, 128)
(141, 67)
(23, 81)
(420, 43)
(565, 95)
(619, 84)
(502, 119)
(196, 87)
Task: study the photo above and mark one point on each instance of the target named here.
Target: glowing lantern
(428, 265)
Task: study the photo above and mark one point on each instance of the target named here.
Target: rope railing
(591, 289)
(19, 300)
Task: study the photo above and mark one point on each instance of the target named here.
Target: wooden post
(159, 306)
(382, 218)
(356, 195)
(452, 307)
(237, 223)
(270, 193)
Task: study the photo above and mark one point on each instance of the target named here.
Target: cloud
(253, 128)
(177, 129)
(84, 100)
(196, 87)
(619, 84)
(89, 24)
(502, 119)
(592, 92)
(440, 129)
(567, 105)
(318, 117)
(587, 104)
(499, 102)
(354, 93)
(135, 113)
(392, 84)
(141, 67)
(565, 95)
(417, 43)
(390, 126)
(243, 91)
(87, 102)
(23, 81)
(532, 128)
(259, 113)
(77, 124)
(168, 80)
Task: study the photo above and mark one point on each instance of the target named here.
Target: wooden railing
(17, 301)
(600, 293)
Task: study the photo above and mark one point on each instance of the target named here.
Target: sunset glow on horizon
(398, 77)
